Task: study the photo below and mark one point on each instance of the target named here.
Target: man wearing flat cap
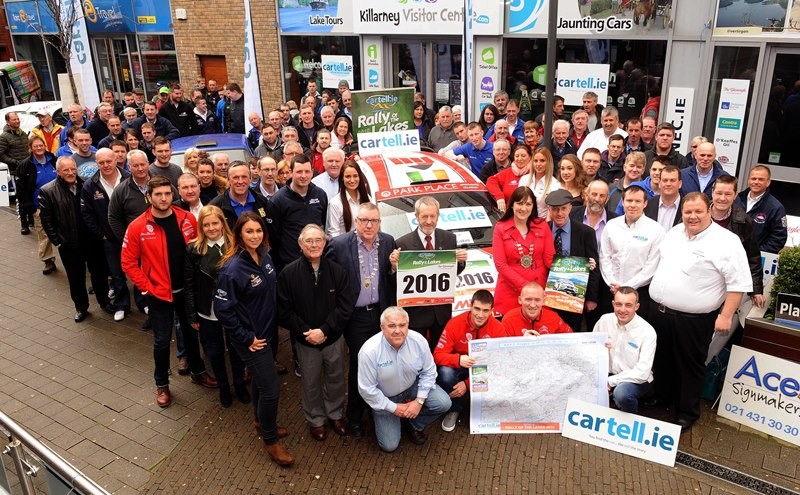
(573, 238)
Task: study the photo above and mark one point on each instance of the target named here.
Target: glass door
(123, 65)
(780, 131)
(113, 65)
(432, 67)
(408, 65)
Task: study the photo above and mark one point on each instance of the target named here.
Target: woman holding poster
(522, 248)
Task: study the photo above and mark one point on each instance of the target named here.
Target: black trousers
(603, 306)
(75, 260)
(679, 366)
(363, 325)
(431, 333)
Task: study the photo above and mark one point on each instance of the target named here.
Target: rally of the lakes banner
(566, 284)
(425, 278)
(383, 121)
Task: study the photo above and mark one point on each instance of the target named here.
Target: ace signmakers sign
(761, 391)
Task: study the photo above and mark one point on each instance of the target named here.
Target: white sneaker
(119, 315)
(449, 421)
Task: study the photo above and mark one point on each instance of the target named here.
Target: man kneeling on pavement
(397, 379)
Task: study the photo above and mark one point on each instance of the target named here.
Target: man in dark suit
(665, 208)
(429, 320)
(365, 254)
(573, 238)
(595, 215)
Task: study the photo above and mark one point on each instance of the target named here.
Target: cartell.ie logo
(381, 102)
(487, 55)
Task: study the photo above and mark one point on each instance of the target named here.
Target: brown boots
(279, 455)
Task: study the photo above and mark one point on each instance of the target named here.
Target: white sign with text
(730, 122)
(573, 80)
(336, 68)
(679, 114)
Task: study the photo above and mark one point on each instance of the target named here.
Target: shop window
(159, 62)
(636, 71)
(302, 59)
(781, 131)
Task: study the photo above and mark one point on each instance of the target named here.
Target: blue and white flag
(81, 53)
(252, 91)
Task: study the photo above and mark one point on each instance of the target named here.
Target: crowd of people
(227, 252)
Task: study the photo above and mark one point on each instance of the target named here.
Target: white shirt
(666, 214)
(327, 184)
(598, 139)
(629, 254)
(109, 186)
(334, 226)
(539, 192)
(694, 275)
(195, 210)
(751, 201)
(422, 235)
(633, 347)
(384, 371)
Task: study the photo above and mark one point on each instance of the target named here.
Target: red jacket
(456, 335)
(145, 244)
(502, 184)
(516, 323)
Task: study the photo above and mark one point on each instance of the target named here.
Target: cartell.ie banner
(383, 121)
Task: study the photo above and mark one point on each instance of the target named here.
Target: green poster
(566, 284)
(383, 110)
(425, 278)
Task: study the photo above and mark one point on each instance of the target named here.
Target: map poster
(425, 278)
(566, 284)
(523, 384)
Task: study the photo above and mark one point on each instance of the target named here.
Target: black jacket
(106, 141)
(209, 125)
(569, 148)
(25, 180)
(181, 116)
(741, 225)
(677, 159)
(306, 301)
(98, 130)
(583, 243)
(200, 282)
(424, 317)
(651, 210)
(344, 250)
(292, 213)
(489, 170)
(163, 127)
(94, 206)
(60, 212)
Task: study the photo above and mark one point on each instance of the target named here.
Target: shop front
(132, 44)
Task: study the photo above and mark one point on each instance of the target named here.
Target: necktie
(428, 245)
(557, 242)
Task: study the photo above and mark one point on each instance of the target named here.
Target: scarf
(520, 171)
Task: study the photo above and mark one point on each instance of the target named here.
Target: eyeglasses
(369, 221)
(311, 242)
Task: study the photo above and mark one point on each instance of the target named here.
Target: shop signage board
(760, 391)
(763, 19)
(443, 17)
(581, 17)
(26, 17)
(679, 114)
(4, 196)
(320, 16)
(109, 16)
(730, 122)
(630, 434)
(573, 80)
(383, 121)
(336, 68)
(152, 16)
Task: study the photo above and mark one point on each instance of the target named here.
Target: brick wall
(6, 51)
(217, 28)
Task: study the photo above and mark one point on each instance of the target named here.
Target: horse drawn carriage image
(646, 11)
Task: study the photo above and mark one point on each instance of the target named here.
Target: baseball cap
(42, 113)
(138, 91)
(164, 90)
(559, 197)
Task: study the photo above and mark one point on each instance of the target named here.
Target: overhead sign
(587, 17)
(316, 17)
(426, 278)
(109, 16)
(152, 16)
(487, 17)
(622, 432)
(442, 17)
(679, 114)
(573, 80)
(730, 122)
(336, 68)
(761, 391)
(26, 17)
(763, 19)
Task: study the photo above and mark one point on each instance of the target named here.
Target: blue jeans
(388, 426)
(266, 388)
(626, 395)
(447, 378)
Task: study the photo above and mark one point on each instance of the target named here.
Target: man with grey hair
(580, 127)
(290, 140)
(501, 160)
(76, 119)
(315, 306)
(96, 195)
(364, 253)
(327, 115)
(443, 133)
(560, 144)
(59, 210)
(332, 160)
(500, 100)
(501, 131)
(221, 162)
(98, 128)
(429, 320)
(593, 110)
(599, 138)
(401, 388)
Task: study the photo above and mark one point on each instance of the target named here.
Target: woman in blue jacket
(245, 304)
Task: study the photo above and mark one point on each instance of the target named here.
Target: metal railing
(58, 473)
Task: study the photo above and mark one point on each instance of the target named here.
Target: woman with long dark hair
(211, 184)
(343, 137)
(489, 115)
(246, 306)
(201, 268)
(419, 121)
(522, 248)
(342, 209)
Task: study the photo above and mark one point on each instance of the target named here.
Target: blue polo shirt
(477, 157)
(240, 208)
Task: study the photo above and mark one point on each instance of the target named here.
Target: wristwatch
(420, 401)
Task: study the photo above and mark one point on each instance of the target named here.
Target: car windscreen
(469, 215)
(234, 154)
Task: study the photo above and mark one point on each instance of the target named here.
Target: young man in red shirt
(532, 318)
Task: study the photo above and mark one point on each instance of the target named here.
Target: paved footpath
(87, 391)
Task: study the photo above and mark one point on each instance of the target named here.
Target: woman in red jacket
(522, 249)
(502, 184)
